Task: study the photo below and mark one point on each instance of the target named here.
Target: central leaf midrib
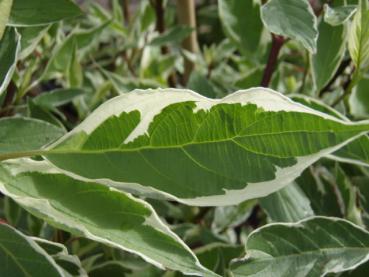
(191, 143)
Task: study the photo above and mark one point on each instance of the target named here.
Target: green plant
(112, 165)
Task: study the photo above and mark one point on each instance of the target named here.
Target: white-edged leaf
(358, 41)
(96, 212)
(21, 134)
(241, 23)
(57, 97)
(197, 150)
(311, 247)
(331, 48)
(289, 204)
(292, 19)
(5, 8)
(9, 49)
(21, 256)
(41, 12)
(338, 15)
(356, 152)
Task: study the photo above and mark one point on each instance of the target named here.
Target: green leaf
(21, 256)
(57, 97)
(84, 40)
(5, 8)
(20, 135)
(119, 220)
(311, 247)
(110, 268)
(70, 264)
(338, 15)
(289, 204)
(241, 23)
(292, 19)
(41, 12)
(217, 256)
(356, 152)
(175, 35)
(359, 99)
(9, 49)
(201, 151)
(232, 216)
(358, 41)
(30, 39)
(198, 82)
(331, 48)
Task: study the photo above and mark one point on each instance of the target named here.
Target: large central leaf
(198, 150)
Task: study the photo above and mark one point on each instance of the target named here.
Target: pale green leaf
(338, 15)
(20, 135)
(201, 151)
(292, 19)
(311, 247)
(84, 40)
(21, 256)
(5, 8)
(359, 99)
(241, 22)
(289, 204)
(9, 49)
(57, 97)
(358, 41)
(41, 12)
(331, 48)
(175, 35)
(119, 220)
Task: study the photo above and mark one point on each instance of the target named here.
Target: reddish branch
(277, 43)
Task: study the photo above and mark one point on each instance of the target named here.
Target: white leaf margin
(38, 249)
(151, 102)
(25, 165)
(299, 224)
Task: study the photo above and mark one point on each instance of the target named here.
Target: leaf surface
(312, 247)
(20, 134)
(292, 19)
(21, 256)
(5, 8)
(9, 49)
(197, 150)
(41, 12)
(96, 212)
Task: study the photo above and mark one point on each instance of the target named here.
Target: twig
(277, 43)
(126, 12)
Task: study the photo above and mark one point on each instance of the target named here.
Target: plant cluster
(171, 138)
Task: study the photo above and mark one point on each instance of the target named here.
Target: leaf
(201, 151)
(217, 256)
(358, 41)
(356, 152)
(359, 99)
(198, 82)
(21, 256)
(5, 8)
(241, 23)
(84, 40)
(311, 247)
(174, 35)
(21, 134)
(41, 12)
(331, 48)
(110, 268)
(57, 97)
(232, 216)
(289, 204)
(119, 220)
(292, 19)
(70, 264)
(9, 49)
(30, 38)
(338, 15)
